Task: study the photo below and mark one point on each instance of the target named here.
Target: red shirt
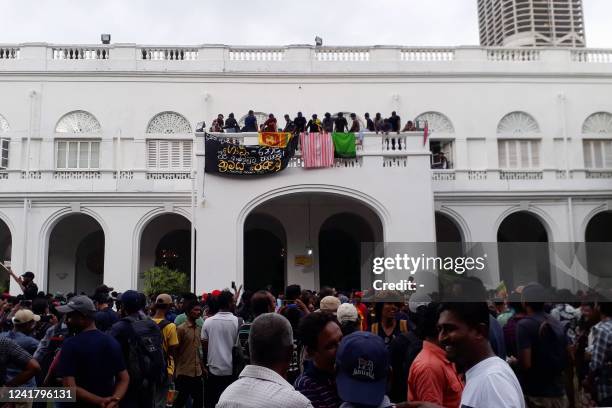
(433, 378)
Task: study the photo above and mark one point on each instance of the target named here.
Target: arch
(173, 229)
(261, 118)
(265, 253)
(343, 233)
(523, 251)
(169, 123)
(78, 121)
(4, 125)
(458, 221)
(517, 122)
(437, 122)
(598, 123)
(598, 241)
(447, 229)
(75, 254)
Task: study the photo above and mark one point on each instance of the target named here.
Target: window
(597, 154)
(519, 154)
(4, 151)
(441, 154)
(170, 155)
(77, 154)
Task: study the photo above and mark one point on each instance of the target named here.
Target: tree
(161, 279)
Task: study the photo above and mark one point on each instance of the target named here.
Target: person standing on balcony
(289, 124)
(409, 127)
(378, 122)
(250, 123)
(314, 124)
(328, 123)
(355, 126)
(300, 123)
(396, 122)
(270, 124)
(231, 125)
(369, 123)
(341, 125)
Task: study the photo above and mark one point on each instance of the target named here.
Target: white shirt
(259, 387)
(492, 384)
(220, 331)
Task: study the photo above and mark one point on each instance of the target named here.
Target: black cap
(28, 274)
(104, 289)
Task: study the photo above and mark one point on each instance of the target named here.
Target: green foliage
(161, 279)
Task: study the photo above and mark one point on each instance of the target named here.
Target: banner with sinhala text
(225, 157)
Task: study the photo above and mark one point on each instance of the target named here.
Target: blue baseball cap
(363, 362)
(131, 300)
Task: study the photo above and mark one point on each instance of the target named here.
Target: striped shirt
(319, 387)
(11, 354)
(601, 360)
(259, 386)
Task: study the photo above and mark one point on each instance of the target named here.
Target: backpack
(552, 354)
(402, 351)
(240, 349)
(145, 361)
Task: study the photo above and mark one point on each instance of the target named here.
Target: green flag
(344, 145)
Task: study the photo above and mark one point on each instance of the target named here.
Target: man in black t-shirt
(395, 122)
(328, 123)
(25, 282)
(300, 123)
(340, 124)
(369, 123)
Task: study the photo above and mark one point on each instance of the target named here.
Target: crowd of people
(302, 348)
(329, 123)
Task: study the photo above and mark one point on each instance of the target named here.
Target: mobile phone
(233, 285)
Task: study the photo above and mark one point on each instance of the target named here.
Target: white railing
(9, 52)
(521, 175)
(342, 54)
(513, 54)
(427, 54)
(81, 53)
(592, 56)
(256, 54)
(169, 54)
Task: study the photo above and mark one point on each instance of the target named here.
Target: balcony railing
(81, 53)
(169, 54)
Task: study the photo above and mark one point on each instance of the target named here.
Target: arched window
(78, 122)
(600, 122)
(169, 123)
(516, 123)
(437, 122)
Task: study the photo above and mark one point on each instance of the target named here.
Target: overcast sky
(259, 22)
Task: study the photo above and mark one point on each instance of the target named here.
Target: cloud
(261, 22)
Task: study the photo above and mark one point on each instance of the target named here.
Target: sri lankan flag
(274, 139)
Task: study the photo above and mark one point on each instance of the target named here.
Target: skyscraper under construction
(531, 23)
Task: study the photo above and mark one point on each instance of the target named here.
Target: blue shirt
(94, 359)
(29, 344)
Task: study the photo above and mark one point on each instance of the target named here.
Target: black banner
(225, 157)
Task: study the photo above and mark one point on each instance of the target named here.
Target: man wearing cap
(105, 317)
(363, 364)
(25, 282)
(23, 324)
(169, 342)
(320, 335)
(91, 360)
(348, 317)
(329, 304)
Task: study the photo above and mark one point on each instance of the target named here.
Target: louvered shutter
(187, 154)
(607, 145)
(152, 153)
(587, 150)
(512, 154)
(502, 153)
(163, 161)
(535, 153)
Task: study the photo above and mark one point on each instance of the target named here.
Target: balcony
(299, 59)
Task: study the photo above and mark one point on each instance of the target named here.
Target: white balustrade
(520, 175)
(81, 53)
(592, 56)
(77, 175)
(427, 54)
(513, 54)
(253, 54)
(169, 54)
(9, 52)
(342, 54)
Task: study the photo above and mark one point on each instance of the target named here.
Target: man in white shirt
(490, 382)
(263, 383)
(219, 334)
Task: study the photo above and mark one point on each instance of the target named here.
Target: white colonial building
(101, 176)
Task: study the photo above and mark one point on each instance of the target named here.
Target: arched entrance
(76, 255)
(598, 238)
(340, 257)
(449, 243)
(523, 250)
(322, 236)
(5, 254)
(265, 253)
(165, 241)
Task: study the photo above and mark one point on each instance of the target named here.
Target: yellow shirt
(170, 339)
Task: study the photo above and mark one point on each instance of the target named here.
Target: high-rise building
(531, 23)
